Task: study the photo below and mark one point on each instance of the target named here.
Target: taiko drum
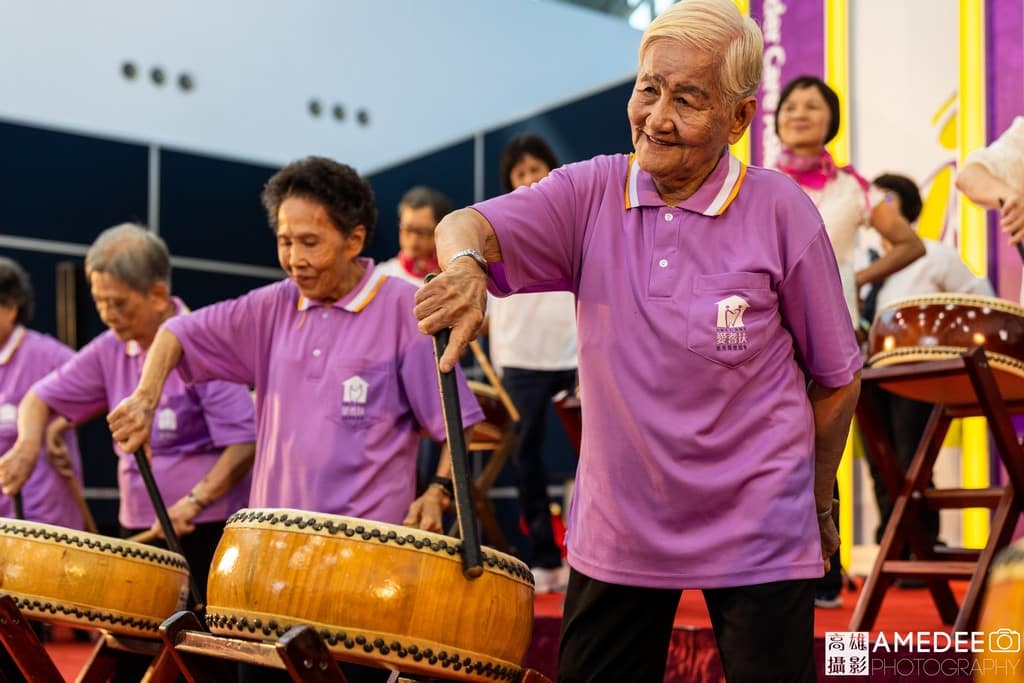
(81, 579)
(378, 594)
(944, 326)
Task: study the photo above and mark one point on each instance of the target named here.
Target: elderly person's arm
(232, 465)
(132, 419)
(833, 410)
(906, 247)
(17, 464)
(426, 511)
(57, 451)
(988, 190)
(462, 288)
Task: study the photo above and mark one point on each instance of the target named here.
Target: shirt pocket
(359, 396)
(730, 316)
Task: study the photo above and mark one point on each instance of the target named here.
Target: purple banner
(1004, 63)
(794, 45)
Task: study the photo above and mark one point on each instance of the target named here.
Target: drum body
(81, 579)
(1002, 619)
(379, 594)
(944, 326)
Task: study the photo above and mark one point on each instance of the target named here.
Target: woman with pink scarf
(807, 118)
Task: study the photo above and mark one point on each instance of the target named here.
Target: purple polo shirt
(192, 425)
(46, 497)
(342, 392)
(698, 440)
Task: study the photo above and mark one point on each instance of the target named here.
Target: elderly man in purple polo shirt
(26, 357)
(707, 296)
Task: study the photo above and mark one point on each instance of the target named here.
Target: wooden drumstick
(447, 382)
(492, 377)
(76, 493)
(19, 508)
(143, 536)
(165, 521)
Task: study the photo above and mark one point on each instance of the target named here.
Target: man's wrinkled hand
(427, 511)
(57, 450)
(16, 467)
(829, 539)
(1011, 217)
(130, 423)
(181, 513)
(456, 299)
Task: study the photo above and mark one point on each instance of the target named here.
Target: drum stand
(36, 665)
(202, 657)
(910, 492)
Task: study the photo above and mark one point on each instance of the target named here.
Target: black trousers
(531, 392)
(613, 633)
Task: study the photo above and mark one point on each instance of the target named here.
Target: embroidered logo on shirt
(730, 333)
(8, 414)
(166, 420)
(354, 394)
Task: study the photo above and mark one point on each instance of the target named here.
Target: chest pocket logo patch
(730, 333)
(355, 391)
(8, 414)
(166, 420)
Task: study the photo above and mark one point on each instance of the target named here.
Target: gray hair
(132, 254)
(718, 28)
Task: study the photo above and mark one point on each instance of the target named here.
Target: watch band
(473, 254)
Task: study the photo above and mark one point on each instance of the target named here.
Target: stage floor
(693, 657)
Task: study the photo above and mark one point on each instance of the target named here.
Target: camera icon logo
(1004, 640)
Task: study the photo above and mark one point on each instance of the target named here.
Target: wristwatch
(473, 254)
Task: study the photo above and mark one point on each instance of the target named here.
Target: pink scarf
(814, 172)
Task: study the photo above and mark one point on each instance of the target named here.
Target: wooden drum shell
(379, 594)
(944, 326)
(1004, 609)
(80, 579)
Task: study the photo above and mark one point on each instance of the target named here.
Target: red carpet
(693, 657)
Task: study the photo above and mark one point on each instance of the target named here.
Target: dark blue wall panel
(67, 187)
(449, 171)
(210, 208)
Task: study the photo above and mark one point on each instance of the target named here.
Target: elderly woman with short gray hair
(202, 442)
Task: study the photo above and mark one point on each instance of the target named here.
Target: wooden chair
(911, 493)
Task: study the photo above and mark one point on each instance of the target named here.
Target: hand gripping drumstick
(472, 558)
(165, 522)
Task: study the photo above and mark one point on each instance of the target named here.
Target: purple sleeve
(540, 232)
(77, 389)
(814, 310)
(228, 412)
(219, 341)
(419, 380)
